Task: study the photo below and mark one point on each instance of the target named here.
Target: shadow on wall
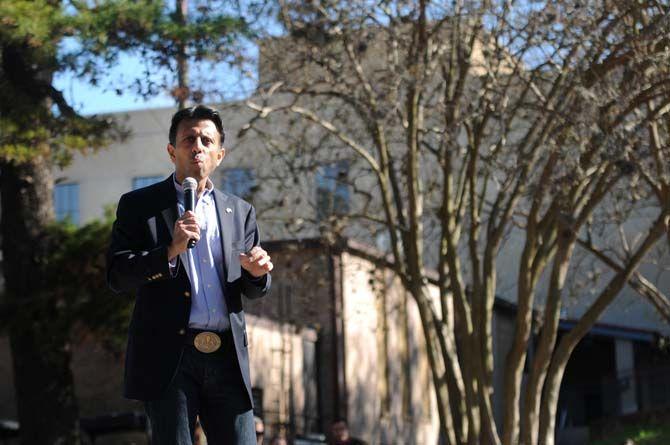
(368, 423)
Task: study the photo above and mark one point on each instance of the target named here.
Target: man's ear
(220, 156)
(170, 150)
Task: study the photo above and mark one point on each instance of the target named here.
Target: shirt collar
(209, 188)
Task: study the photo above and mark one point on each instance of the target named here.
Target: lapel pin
(229, 210)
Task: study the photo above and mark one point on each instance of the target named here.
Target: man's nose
(197, 146)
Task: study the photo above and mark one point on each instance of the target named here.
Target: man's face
(198, 149)
(340, 432)
(260, 431)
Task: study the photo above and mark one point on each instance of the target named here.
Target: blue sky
(221, 82)
(226, 82)
(91, 100)
(87, 99)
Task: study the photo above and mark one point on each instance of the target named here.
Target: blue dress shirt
(204, 265)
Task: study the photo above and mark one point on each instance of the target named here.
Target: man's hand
(185, 228)
(256, 262)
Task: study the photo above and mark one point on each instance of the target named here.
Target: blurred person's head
(278, 440)
(260, 430)
(339, 431)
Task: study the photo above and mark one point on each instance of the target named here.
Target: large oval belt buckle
(207, 342)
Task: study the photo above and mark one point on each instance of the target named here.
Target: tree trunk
(182, 91)
(437, 364)
(46, 402)
(486, 357)
(533, 390)
(572, 338)
(517, 354)
(454, 375)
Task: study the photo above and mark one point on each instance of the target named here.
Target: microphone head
(190, 184)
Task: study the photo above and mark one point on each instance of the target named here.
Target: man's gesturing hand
(185, 228)
(256, 262)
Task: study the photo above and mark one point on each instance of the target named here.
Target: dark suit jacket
(137, 263)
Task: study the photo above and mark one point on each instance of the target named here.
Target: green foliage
(75, 300)
(38, 23)
(41, 38)
(121, 25)
(35, 119)
(644, 434)
(152, 31)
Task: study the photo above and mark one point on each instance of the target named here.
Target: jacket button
(187, 294)
(182, 331)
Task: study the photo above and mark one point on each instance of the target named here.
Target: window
(239, 182)
(332, 190)
(143, 181)
(66, 202)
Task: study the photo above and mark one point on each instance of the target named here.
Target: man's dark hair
(199, 112)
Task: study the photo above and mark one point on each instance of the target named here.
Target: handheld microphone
(190, 186)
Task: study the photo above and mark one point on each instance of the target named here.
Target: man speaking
(188, 262)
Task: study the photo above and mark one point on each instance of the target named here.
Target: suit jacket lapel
(225, 221)
(170, 217)
(170, 213)
(168, 202)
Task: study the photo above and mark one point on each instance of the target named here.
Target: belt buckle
(207, 342)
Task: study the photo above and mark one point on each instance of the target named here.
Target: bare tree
(472, 125)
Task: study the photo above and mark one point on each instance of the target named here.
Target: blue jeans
(208, 385)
